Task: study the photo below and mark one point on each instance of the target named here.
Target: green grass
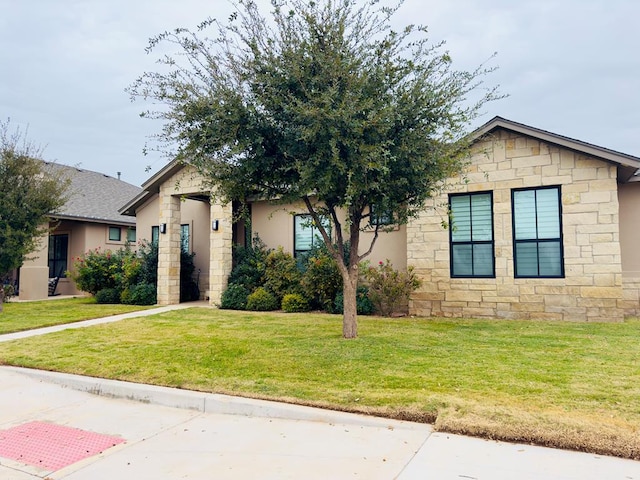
(18, 316)
(569, 385)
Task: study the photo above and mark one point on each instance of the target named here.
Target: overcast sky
(569, 66)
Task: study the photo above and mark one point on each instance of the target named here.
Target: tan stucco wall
(592, 287)
(34, 273)
(274, 224)
(83, 236)
(629, 199)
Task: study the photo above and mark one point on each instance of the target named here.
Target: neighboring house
(89, 220)
(573, 207)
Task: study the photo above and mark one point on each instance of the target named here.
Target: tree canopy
(324, 103)
(29, 191)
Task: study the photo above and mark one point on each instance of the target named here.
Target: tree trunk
(350, 309)
(1, 297)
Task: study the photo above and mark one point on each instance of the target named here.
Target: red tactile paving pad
(51, 446)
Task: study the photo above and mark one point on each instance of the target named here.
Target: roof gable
(628, 164)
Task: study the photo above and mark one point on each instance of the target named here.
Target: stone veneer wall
(187, 181)
(592, 287)
(631, 295)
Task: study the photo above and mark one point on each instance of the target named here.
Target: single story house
(544, 226)
(88, 220)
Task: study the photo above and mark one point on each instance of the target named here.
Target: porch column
(221, 243)
(169, 248)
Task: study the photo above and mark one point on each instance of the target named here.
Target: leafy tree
(29, 191)
(323, 103)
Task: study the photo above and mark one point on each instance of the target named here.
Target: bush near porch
(128, 276)
(264, 279)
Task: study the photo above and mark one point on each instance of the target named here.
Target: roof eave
(612, 156)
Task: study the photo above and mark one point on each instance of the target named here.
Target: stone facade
(592, 288)
(184, 183)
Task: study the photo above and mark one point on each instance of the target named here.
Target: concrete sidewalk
(218, 436)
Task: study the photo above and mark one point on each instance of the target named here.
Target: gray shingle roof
(94, 196)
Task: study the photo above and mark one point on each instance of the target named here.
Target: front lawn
(570, 385)
(18, 316)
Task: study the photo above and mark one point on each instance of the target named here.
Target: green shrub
(108, 295)
(294, 302)
(261, 300)
(389, 289)
(8, 292)
(322, 280)
(249, 265)
(364, 305)
(281, 274)
(97, 270)
(234, 297)
(189, 290)
(148, 255)
(142, 294)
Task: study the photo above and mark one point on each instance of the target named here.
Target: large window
(537, 227)
(306, 234)
(58, 247)
(471, 235)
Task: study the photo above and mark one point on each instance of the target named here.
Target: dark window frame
(113, 229)
(185, 241)
(314, 233)
(53, 261)
(155, 234)
(379, 215)
(537, 241)
(472, 242)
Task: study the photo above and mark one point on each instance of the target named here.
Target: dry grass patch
(566, 385)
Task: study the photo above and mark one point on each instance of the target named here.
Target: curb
(212, 403)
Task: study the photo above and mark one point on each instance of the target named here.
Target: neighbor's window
(306, 234)
(131, 235)
(58, 247)
(471, 235)
(155, 234)
(115, 234)
(537, 227)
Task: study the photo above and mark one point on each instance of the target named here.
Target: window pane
(155, 234)
(184, 237)
(303, 233)
(460, 218)
(482, 229)
(114, 234)
(462, 264)
(524, 211)
(548, 213)
(131, 235)
(483, 260)
(526, 259)
(549, 258)
(58, 246)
